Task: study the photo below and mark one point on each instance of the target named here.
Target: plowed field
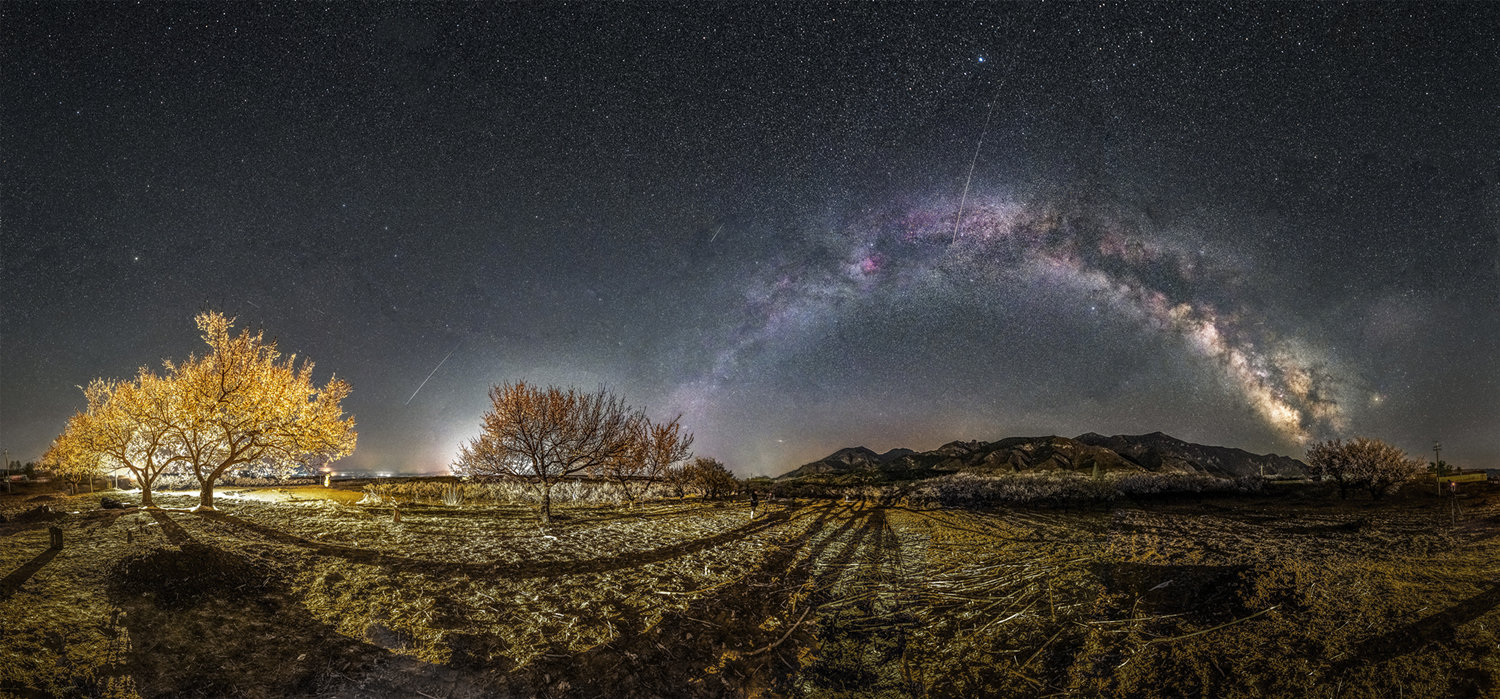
(304, 592)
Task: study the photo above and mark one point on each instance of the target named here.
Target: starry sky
(803, 226)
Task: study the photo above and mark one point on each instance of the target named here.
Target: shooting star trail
(429, 374)
(983, 131)
(960, 217)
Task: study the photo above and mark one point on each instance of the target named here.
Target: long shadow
(264, 644)
(1436, 627)
(17, 578)
(989, 531)
(13, 528)
(853, 653)
(668, 659)
(519, 570)
(173, 531)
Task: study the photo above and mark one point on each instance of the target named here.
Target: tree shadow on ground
(724, 643)
(1435, 628)
(171, 529)
(518, 570)
(18, 577)
(208, 622)
(861, 646)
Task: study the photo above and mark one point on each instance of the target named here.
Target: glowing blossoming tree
(72, 456)
(128, 424)
(235, 405)
(240, 403)
(543, 435)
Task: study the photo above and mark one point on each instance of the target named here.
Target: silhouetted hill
(1160, 452)
(1154, 452)
(853, 459)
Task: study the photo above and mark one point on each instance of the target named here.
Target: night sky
(1245, 225)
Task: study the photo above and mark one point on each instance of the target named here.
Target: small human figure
(754, 501)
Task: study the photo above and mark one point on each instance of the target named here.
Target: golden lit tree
(241, 403)
(128, 423)
(72, 456)
(543, 435)
(654, 449)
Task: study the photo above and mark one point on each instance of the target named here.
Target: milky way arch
(1182, 292)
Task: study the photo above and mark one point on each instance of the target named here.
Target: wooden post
(56, 534)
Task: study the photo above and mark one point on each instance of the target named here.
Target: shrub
(501, 491)
(1055, 488)
(1032, 487)
(1137, 485)
(709, 478)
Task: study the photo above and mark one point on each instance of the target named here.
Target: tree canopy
(544, 434)
(655, 448)
(236, 404)
(1361, 463)
(241, 404)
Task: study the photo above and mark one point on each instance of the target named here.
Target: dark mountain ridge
(1155, 452)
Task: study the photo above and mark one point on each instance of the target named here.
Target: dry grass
(300, 591)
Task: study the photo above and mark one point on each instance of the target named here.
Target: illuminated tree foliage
(128, 424)
(72, 456)
(238, 404)
(241, 404)
(543, 435)
(654, 448)
(1364, 463)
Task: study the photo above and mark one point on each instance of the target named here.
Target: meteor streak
(429, 374)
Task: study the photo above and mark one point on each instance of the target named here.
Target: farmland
(304, 591)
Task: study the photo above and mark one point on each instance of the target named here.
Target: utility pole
(5, 456)
(1437, 465)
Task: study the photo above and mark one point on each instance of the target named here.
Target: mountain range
(1155, 452)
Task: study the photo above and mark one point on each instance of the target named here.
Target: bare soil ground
(302, 592)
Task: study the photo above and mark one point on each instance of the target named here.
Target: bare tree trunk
(546, 502)
(206, 497)
(146, 501)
